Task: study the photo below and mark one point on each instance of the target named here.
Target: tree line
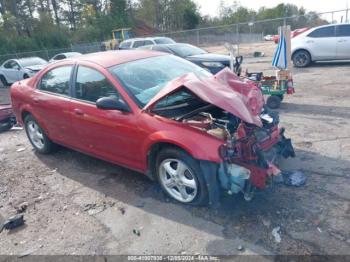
(27, 25)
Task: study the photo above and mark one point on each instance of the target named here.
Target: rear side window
(125, 45)
(59, 57)
(343, 30)
(138, 44)
(92, 85)
(57, 80)
(328, 31)
(148, 42)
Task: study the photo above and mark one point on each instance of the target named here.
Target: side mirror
(110, 103)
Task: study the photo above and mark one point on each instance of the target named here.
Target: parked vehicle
(7, 117)
(133, 43)
(269, 38)
(16, 69)
(157, 114)
(323, 43)
(294, 33)
(213, 62)
(64, 56)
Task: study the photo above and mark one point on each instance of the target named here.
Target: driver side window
(92, 85)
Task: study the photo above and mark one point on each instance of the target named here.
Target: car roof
(144, 38)
(111, 58)
(329, 25)
(20, 60)
(68, 53)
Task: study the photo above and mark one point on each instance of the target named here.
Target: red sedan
(157, 114)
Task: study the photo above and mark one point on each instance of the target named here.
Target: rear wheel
(37, 137)
(273, 102)
(180, 177)
(301, 58)
(25, 76)
(3, 81)
(281, 97)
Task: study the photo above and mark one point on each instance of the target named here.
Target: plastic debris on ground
(276, 234)
(13, 222)
(294, 178)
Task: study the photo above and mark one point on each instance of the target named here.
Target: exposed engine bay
(249, 152)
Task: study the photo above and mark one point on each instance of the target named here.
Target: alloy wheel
(178, 180)
(35, 134)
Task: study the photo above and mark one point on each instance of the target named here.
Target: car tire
(273, 102)
(281, 97)
(25, 76)
(37, 137)
(180, 177)
(5, 127)
(301, 58)
(4, 81)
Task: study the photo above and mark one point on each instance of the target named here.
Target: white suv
(323, 43)
(138, 42)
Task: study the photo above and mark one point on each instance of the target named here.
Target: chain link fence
(244, 35)
(47, 54)
(253, 32)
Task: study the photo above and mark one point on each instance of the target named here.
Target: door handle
(78, 112)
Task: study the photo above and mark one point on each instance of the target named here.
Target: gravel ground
(80, 205)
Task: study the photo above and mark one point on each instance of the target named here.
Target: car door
(322, 43)
(52, 103)
(11, 70)
(343, 41)
(110, 134)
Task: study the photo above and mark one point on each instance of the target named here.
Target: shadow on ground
(280, 206)
(332, 111)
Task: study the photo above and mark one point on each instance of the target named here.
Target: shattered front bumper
(258, 155)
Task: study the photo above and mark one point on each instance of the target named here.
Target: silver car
(323, 43)
(133, 43)
(61, 56)
(17, 69)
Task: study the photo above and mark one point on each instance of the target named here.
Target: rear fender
(27, 108)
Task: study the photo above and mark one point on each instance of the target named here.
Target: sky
(211, 7)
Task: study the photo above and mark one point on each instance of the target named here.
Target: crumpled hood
(224, 90)
(35, 67)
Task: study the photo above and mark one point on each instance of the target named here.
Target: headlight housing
(213, 64)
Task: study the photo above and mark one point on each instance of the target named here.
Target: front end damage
(250, 156)
(231, 110)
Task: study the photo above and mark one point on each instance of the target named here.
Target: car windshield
(32, 61)
(164, 40)
(144, 78)
(185, 50)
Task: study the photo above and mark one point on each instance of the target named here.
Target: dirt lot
(81, 205)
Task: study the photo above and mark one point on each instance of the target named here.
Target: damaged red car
(195, 133)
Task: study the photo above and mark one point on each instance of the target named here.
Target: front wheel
(37, 137)
(273, 102)
(180, 177)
